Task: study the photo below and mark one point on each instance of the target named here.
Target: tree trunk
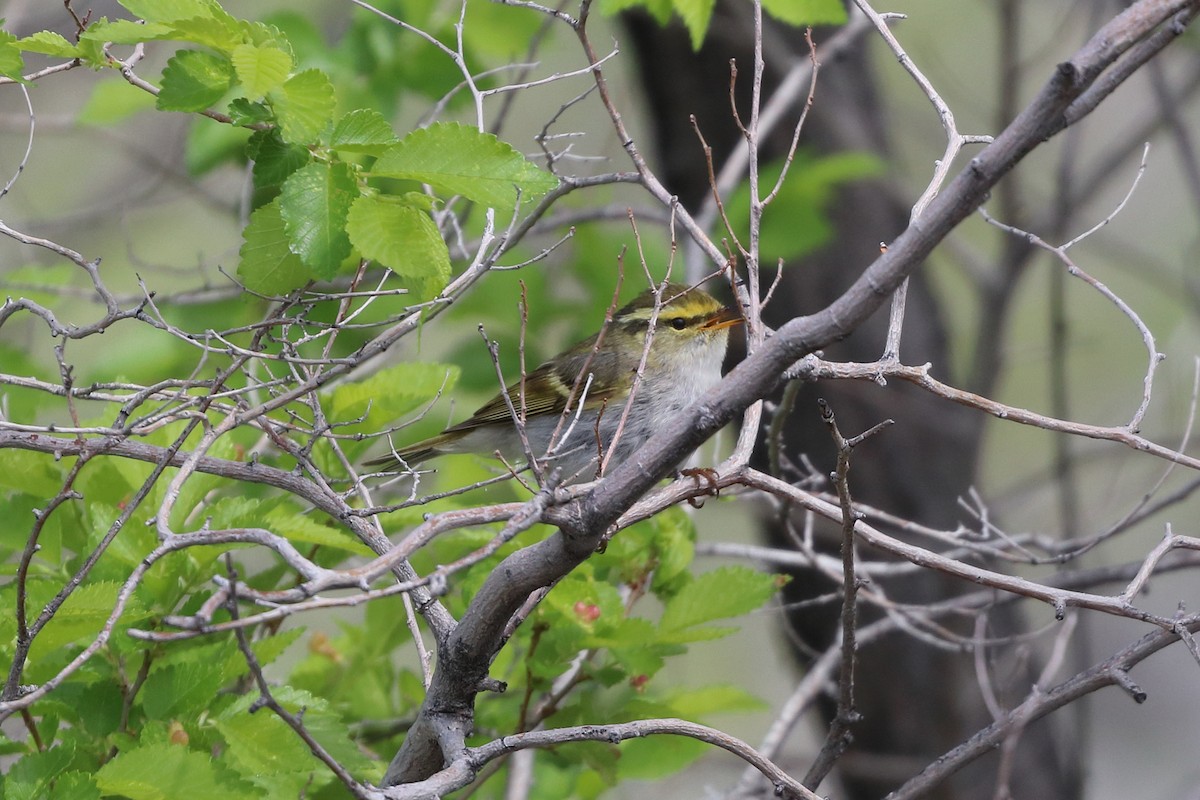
(917, 701)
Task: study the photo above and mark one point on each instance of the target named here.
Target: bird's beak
(725, 318)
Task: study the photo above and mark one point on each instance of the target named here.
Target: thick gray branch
(464, 661)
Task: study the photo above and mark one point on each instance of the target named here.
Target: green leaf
(122, 31)
(495, 32)
(263, 749)
(696, 14)
(797, 223)
(96, 707)
(459, 159)
(314, 204)
(300, 527)
(363, 130)
(181, 690)
(660, 10)
(243, 112)
(390, 393)
(304, 105)
(803, 13)
(719, 698)
(275, 159)
(632, 646)
(11, 62)
(75, 785)
(33, 775)
(234, 512)
(193, 81)
(112, 101)
(722, 593)
(173, 10)
(272, 647)
(322, 723)
(164, 772)
(33, 473)
(656, 757)
(91, 51)
(83, 613)
(49, 43)
(261, 33)
(267, 265)
(260, 68)
(675, 547)
(222, 33)
(399, 237)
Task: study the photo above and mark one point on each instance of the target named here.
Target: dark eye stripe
(638, 324)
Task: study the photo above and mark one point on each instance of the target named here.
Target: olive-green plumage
(575, 403)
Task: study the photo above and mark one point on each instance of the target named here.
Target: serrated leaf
(399, 237)
(82, 613)
(181, 690)
(75, 785)
(92, 51)
(32, 776)
(172, 10)
(314, 204)
(134, 543)
(262, 33)
(462, 160)
(164, 772)
(222, 33)
(363, 130)
(11, 62)
(272, 647)
(234, 512)
(803, 13)
(266, 264)
(260, 68)
(275, 159)
(722, 593)
(48, 43)
(300, 527)
(263, 748)
(244, 112)
(112, 101)
(123, 31)
(696, 15)
(325, 726)
(304, 105)
(193, 81)
(95, 707)
(675, 548)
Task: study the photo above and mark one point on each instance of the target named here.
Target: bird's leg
(702, 475)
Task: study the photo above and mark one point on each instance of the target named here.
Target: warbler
(574, 404)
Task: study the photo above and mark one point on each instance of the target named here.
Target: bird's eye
(678, 323)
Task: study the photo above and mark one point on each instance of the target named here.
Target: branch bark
(465, 657)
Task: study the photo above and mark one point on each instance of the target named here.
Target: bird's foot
(702, 476)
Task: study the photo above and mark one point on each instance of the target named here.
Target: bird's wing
(548, 388)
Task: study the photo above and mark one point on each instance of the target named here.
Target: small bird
(686, 349)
